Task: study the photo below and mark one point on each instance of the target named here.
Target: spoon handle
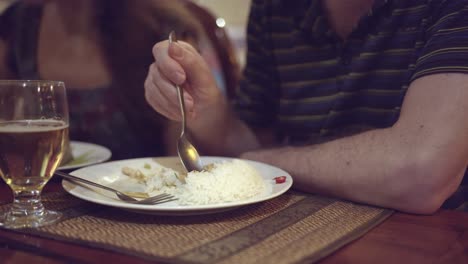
(180, 91)
(180, 94)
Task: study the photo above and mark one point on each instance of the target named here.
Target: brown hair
(129, 31)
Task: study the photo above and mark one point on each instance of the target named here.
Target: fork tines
(158, 199)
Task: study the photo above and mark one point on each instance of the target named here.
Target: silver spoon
(188, 155)
(160, 198)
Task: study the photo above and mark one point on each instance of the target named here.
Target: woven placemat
(292, 228)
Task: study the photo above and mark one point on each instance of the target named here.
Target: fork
(158, 199)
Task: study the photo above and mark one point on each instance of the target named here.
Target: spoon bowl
(188, 154)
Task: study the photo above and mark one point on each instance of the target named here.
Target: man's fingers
(166, 89)
(167, 65)
(156, 99)
(179, 64)
(190, 60)
(162, 94)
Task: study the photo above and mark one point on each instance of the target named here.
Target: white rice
(226, 181)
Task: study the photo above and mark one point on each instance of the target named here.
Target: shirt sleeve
(446, 46)
(257, 96)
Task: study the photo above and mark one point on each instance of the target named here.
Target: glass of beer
(33, 130)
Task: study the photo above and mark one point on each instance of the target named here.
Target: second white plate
(85, 154)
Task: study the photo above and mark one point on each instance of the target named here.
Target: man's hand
(180, 64)
(213, 127)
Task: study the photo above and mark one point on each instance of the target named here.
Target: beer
(30, 151)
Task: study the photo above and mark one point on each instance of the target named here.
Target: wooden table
(404, 238)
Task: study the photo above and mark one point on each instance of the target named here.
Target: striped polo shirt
(310, 86)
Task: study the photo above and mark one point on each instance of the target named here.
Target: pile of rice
(226, 181)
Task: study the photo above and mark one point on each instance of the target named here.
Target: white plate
(85, 154)
(110, 172)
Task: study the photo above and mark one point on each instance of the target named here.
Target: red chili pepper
(280, 179)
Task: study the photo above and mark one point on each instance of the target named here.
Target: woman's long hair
(129, 30)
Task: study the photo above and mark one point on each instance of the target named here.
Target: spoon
(188, 155)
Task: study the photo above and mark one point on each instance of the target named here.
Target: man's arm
(413, 166)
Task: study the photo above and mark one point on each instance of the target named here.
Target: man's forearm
(373, 167)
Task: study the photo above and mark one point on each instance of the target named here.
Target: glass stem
(27, 204)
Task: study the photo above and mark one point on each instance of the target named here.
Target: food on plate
(154, 177)
(225, 181)
(280, 179)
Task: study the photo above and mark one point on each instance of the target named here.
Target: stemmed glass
(33, 131)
